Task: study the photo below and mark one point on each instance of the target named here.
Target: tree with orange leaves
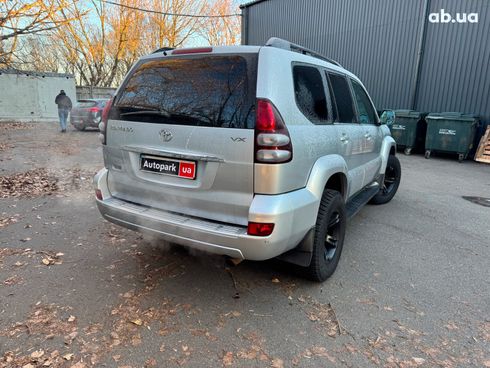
(223, 28)
(25, 17)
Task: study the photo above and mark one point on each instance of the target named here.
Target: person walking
(64, 108)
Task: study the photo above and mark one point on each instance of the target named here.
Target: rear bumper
(292, 213)
(87, 120)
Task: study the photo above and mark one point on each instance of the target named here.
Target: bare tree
(165, 30)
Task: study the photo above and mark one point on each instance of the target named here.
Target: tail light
(94, 109)
(272, 140)
(103, 123)
(98, 194)
(259, 229)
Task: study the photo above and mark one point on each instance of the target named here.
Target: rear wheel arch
(337, 182)
(328, 172)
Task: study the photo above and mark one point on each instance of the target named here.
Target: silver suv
(246, 151)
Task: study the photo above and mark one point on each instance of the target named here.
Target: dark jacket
(63, 101)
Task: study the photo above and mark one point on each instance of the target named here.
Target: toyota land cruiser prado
(252, 152)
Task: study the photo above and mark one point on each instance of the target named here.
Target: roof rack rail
(284, 44)
(163, 49)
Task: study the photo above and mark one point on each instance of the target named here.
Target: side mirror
(387, 117)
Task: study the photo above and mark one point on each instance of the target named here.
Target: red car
(87, 113)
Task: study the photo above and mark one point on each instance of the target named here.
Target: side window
(367, 115)
(343, 98)
(310, 93)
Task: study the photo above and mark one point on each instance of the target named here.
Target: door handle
(368, 136)
(344, 138)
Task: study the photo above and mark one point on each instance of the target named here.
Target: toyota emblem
(166, 135)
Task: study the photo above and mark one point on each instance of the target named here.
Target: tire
(391, 182)
(329, 236)
(79, 126)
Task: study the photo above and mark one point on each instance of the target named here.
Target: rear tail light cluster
(103, 123)
(94, 109)
(272, 140)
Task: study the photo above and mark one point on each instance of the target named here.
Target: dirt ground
(412, 288)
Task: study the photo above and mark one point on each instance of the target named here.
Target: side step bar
(360, 199)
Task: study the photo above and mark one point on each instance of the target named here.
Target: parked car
(247, 151)
(87, 113)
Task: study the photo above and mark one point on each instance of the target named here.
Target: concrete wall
(84, 92)
(26, 96)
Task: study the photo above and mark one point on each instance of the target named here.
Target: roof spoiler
(286, 45)
(163, 49)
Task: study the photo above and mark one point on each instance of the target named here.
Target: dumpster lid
(409, 114)
(453, 116)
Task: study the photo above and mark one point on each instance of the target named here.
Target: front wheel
(329, 236)
(393, 175)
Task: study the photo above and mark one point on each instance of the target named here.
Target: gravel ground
(412, 288)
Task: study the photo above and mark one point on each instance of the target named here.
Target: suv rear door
(351, 139)
(371, 132)
(180, 135)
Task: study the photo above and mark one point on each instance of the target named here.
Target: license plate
(168, 166)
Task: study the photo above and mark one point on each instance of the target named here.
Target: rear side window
(86, 103)
(343, 98)
(310, 93)
(213, 91)
(367, 114)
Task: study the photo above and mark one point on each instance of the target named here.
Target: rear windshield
(214, 91)
(86, 103)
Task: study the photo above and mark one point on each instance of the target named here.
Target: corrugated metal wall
(456, 63)
(379, 41)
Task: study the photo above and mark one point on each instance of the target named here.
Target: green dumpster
(408, 130)
(450, 132)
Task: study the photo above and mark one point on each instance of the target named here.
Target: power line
(170, 14)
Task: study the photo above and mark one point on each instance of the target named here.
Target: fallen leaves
(325, 316)
(36, 359)
(227, 359)
(137, 322)
(68, 339)
(44, 320)
(277, 363)
(8, 252)
(13, 280)
(37, 354)
(31, 183)
(51, 259)
(39, 182)
(6, 221)
(14, 125)
(4, 147)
